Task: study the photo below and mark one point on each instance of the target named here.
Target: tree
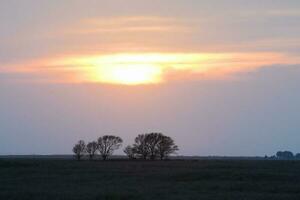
(140, 146)
(152, 140)
(153, 145)
(130, 152)
(79, 149)
(108, 144)
(285, 155)
(166, 146)
(91, 149)
(297, 156)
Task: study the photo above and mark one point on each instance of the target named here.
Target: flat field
(59, 179)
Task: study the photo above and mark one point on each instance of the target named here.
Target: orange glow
(148, 68)
(134, 69)
(133, 74)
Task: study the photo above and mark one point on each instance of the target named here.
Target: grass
(45, 179)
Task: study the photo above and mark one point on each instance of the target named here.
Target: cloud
(284, 13)
(171, 48)
(152, 32)
(271, 12)
(124, 25)
(147, 68)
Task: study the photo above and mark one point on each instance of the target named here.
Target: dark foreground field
(40, 179)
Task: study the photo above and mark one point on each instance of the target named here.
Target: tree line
(146, 146)
(284, 155)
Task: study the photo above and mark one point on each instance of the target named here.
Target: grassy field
(43, 179)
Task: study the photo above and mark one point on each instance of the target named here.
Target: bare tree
(141, 146)
(130, 152)
(166, 146)
(152, 140)
(108, 144)
(91, 149)
(79, 149)
(153, 145)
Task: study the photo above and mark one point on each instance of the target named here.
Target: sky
(221, 77)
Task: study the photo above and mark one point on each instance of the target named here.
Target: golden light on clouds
(137, 49)
(133, 69)
(146, 68)
(154, 68)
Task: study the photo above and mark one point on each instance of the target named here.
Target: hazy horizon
(221, 77)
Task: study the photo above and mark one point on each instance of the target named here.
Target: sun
(136, 68)
(126, 69)
(129, 74)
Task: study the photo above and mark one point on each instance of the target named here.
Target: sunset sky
(221, 77)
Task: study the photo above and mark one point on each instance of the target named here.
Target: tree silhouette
(79, 149)
(91, 149)
(152, 140)
(153, 145)
(130, 152)
(166, 146)
(140, 146)
(284, 154)
(108, 144)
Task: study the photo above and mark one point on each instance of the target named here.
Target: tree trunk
(145, 157)
(152, 157)
(161, 156)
